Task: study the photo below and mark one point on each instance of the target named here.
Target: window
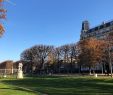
(96, 28)
(112, 23)
(107, 24)
(102, 26)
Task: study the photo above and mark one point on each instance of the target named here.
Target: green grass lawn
(57, 86)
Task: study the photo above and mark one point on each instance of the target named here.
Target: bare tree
(28, 59)
(74, 53)
(109, 49)
(65, 51)
(57, 59)
(37, 55)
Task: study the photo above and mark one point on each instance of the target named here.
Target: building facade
(100, 31)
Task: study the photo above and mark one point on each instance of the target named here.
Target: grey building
(100, 31)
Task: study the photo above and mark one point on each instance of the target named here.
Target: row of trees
(69, 58)
(41, 57)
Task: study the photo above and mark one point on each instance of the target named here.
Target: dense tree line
(70, 58)
(45, 58)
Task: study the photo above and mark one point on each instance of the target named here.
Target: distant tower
(85, 28)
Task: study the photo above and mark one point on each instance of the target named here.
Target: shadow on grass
(66, 85)
(17, 88)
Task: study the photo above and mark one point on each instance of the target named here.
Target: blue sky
(51, 22)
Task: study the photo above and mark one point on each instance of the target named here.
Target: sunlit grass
(57, 86)
(6, 89)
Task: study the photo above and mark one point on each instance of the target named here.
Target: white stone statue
(20, 72)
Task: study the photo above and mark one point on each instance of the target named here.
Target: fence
(8, 72)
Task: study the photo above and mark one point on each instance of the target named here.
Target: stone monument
(95, 75)
(20, 72)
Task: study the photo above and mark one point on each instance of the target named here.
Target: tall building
(100, 31)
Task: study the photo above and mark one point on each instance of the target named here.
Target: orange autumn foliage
(1, 0)
(2, 16)
(3, 10)
(92, 51)
(1, 29)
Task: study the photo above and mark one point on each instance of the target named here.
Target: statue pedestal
(20, 72)
(95, 75)
(20, 75)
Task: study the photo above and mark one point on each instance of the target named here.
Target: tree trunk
(79, 69)
(71, 65)
(89, 70)
(102, 69)
(111, 70)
